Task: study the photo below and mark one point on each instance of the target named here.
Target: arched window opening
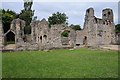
(45, 37)
(41, 39)
(85, 41)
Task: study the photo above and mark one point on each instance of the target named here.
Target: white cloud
(15, 6)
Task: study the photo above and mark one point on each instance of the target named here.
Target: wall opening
(65, 37)
(65, 33)
(24, 39)
(85, 41)
(108, 13)
(77, 44)
(41, 39)
(10, 38)
(104, 15)
(45, 37)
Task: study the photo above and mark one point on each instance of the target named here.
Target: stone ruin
(96, 32)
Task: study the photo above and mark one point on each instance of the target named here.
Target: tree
(7, 17)
(75, 27)
(117, 28)
(27, 15)
(58, 18)
(65, 34)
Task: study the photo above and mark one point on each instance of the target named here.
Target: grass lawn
(60, 64)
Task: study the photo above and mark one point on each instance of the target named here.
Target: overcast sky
(74, 10)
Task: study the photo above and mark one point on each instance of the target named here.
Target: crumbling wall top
(107, 14)
(90, 12)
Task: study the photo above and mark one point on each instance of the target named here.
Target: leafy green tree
(7, 17)
(117, 28)
(58, 18)
(27, 14)
(75, 27)
(65, 34)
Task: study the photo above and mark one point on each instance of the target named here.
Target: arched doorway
(85, 40)
(9, 38)
(45, 37)
(65, 35)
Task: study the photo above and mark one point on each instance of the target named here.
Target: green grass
(0, 64)
(60, 64)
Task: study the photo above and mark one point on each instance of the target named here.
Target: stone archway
(65, 34)
(9, 37)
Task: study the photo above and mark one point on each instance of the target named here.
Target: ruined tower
(108, 17)
(88, 17)
(97, 31)
(89, 12)
(107, 14)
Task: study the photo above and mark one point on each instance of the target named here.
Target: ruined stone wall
(17, 26)
(1, 36)
(55, 35)
(97, 31)
(43, 35)
(72, 37)
(91, 32)
(34, 28)
(22, 41)
(79, 37)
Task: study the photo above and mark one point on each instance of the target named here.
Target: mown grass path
(60, 64)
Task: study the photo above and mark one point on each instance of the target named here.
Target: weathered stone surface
(96, 32)
(1, 36)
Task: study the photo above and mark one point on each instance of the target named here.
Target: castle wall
(96, 32)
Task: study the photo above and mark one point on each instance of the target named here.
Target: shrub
(65, 34)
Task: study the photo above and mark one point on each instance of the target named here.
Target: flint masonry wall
(58, 41)
(97, 31)
(49, 38)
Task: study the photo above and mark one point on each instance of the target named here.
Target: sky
(74, 10)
